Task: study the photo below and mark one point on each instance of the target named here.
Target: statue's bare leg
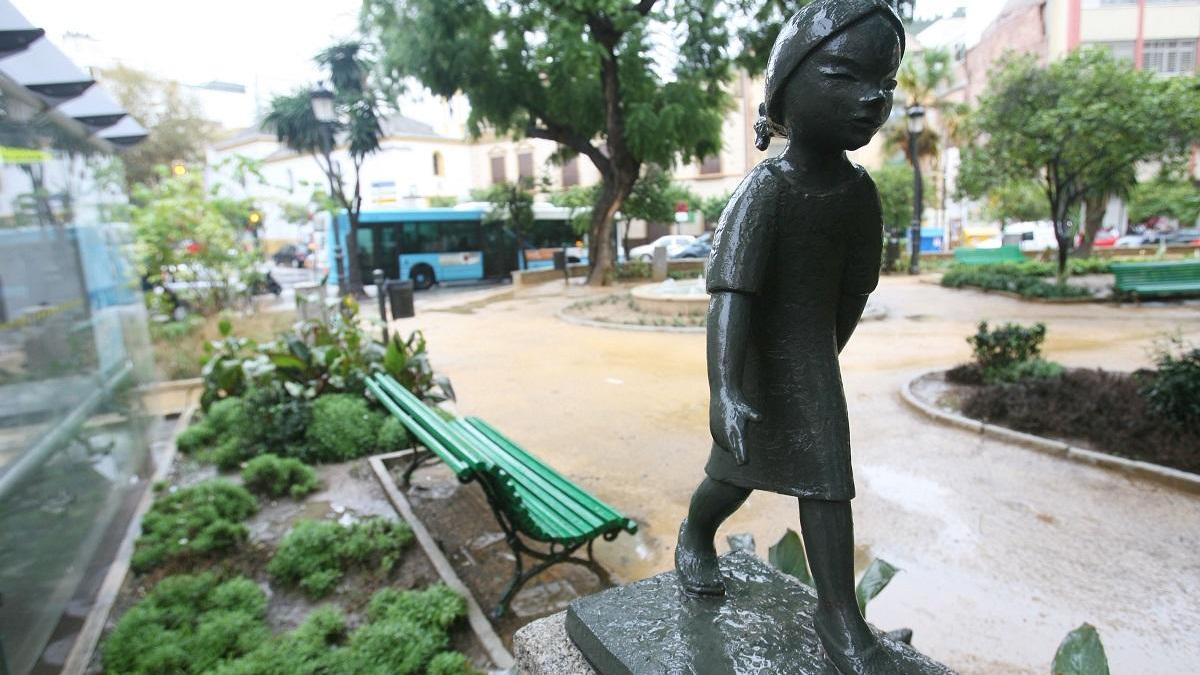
(829, 541)
(695, 554)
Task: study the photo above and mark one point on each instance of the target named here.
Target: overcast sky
(264, 44)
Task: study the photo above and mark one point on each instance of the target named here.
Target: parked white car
(1033, 236)
(675, 243)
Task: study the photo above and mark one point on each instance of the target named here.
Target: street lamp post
(321, 100)
(916, 126)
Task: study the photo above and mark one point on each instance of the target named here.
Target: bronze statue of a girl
(795, 255)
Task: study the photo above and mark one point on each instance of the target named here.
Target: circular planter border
(1175, 478)
(872, 313)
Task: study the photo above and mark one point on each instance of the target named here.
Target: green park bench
(529, 499)
(1162, 278)
(988, 256)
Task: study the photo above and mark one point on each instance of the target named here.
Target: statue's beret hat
(806, 30)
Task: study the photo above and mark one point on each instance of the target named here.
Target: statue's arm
(850, 309)
(728, 334)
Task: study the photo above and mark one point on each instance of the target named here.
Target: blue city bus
(462, 243)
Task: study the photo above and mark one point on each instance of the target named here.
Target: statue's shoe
(848, 659)
(698, 571)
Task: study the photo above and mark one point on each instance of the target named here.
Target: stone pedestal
(658, 264)
(762, 625)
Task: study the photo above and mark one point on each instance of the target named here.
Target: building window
(439, 164)
(570, 172)
(498, 174)
(525, 165)
(1121, 51)
(710, 165)
(1169, 57)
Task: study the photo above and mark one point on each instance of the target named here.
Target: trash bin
(400, 295)
(560, 260)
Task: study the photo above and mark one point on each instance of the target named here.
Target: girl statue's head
(831, 74)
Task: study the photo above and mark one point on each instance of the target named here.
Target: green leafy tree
(512, 203)
(1167, 197)
(178, 129)
(1018, 201)
(586, 74)
(895, 184)
(178, 223)
(712, 207)
(356, 101)
(1080, 125)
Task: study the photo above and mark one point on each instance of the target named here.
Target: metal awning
(95, 107)
(45, 70)
(124, 133)
(16, 33)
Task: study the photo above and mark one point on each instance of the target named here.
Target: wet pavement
(1003, 550)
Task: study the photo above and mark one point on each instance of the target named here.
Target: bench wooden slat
(592, 503)
(544, 517)
(1158, 278)
(584, 521)
(988, 256)
(455, 463)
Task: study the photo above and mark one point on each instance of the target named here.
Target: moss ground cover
(203, 624)
(315, 555)
(194, 521)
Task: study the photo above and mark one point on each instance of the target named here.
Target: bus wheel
(422, 277)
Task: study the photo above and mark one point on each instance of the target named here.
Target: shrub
(393, 437)
(188, 624)
(450, 663)
(227, 417)
(1024, 370)
(195, 438)
(633, 270)
(407, 630)
(343, 427)
(1100, 407)
(316, 554)
(192, 624)
(275, 476)
(1011, 278)
(1173, 391)
(280, 419)
(1006, 346)
(435, 606)
(196, 520)
(311, 649)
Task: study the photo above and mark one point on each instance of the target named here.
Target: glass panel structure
(74, 348)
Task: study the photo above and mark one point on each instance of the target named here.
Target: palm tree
(292, 121)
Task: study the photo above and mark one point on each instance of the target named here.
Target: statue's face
(842, 93)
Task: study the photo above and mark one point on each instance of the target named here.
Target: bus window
(460, 236)
(389, 249)
(420, 238)
(364, 235)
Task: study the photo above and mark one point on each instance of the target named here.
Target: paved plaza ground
(1003, 550)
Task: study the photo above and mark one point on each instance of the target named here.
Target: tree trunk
(1096, 208)
(354, 282)
(602, 248)
(1062, 234)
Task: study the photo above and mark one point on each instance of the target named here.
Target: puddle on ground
(543, 599)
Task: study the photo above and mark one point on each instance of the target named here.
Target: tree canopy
(895, 184)
(357, 127)
(623, 83)
(1080, 126)
(178, 129)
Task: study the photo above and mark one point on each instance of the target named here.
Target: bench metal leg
(556, 554)
(419, 457)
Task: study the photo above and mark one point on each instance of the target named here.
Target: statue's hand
(727, 416)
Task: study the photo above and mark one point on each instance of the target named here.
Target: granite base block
(763, 625)
(543, 648)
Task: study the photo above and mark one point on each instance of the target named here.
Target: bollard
(658, 268)
(382, 296)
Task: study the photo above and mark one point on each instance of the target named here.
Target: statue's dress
(795, 254)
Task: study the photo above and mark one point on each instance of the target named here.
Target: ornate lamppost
(321, 100)
(916, 126)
